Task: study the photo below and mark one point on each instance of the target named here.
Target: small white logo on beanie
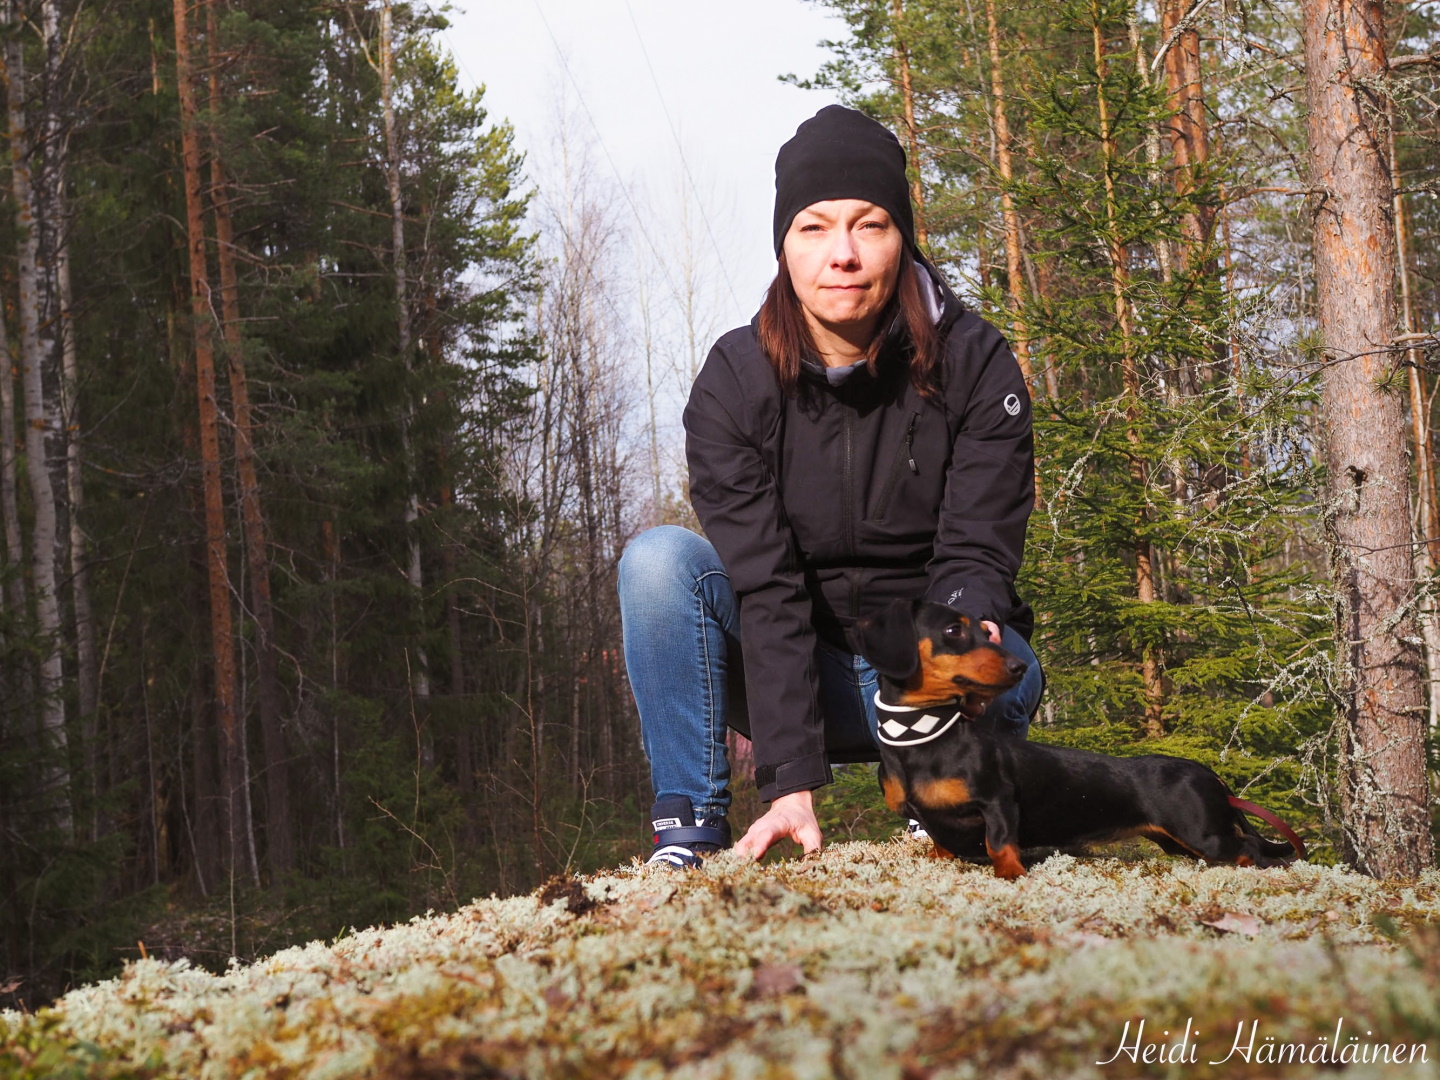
(1012, 404)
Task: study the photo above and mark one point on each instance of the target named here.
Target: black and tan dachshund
(980, 793)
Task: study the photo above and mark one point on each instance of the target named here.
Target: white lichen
(867, 960)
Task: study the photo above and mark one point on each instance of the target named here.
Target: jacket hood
(945, 308)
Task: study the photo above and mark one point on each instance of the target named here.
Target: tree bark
(278, 827)
(15, 593)
(912, 133)
(1428, 518)
(35, 346)
(207, 826)
(1130, 373)
(1189, 131)
(86, 656)
(19, 681)
(235, 795)
(1384, 794)
(414, 571)
(1014, 276)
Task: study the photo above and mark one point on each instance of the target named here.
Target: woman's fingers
(808, 836)
(762, 834)
(757, 841)
(992, 629)
(784, 823)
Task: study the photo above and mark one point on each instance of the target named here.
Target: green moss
(38, 1048)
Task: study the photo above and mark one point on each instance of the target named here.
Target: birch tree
(414, 570)
(36, 347)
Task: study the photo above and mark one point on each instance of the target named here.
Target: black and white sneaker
(916, 831)
(679, 844)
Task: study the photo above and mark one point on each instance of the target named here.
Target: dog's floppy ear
(887, 639)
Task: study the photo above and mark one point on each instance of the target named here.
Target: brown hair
(785, 335)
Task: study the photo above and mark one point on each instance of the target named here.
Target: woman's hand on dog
(992, 629)
(789, 817)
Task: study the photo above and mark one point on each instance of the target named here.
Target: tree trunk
(202, 818)
(86, 657)
(1189, 131)
(1161, 246)
(19, 681)
(464, 736)
(1428, 518)
(35, 346)
(420, 676)
(235, 795)
(207, 826)
(1015, 279)
(1384, 794)
(278, 827)
(912, 133)
(1130, 372)
(15, 595)
(331, 546)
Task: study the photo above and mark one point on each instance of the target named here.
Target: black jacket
(827, 505)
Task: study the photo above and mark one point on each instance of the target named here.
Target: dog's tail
(1271, 847)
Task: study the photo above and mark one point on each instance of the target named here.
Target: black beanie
(841, 154)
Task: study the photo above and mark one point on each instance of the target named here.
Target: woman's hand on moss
(789, 817)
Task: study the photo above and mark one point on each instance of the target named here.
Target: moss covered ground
(869, 960)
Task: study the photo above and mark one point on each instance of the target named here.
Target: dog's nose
(1015, 666)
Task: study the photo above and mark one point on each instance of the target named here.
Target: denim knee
(1006, 718)
(659, 560)
(1010, 713)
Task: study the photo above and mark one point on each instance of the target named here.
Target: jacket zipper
(848, 429)
(906, 451)
(848, 478)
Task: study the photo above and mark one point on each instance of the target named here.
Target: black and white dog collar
(900, 726)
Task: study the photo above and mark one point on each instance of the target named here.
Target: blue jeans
(681, 624)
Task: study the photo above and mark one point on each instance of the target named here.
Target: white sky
(716, 65)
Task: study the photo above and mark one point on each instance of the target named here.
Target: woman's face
(844, 259)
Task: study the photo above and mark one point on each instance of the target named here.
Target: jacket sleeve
(738, 503)
(990, 485)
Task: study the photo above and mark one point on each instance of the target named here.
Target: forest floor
(869, 960)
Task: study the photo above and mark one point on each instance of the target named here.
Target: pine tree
(1385, 790)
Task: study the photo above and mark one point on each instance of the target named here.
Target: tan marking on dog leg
(948, 791)
(1244, 860)
(1006, 861)
(938, 852)
(894, 793)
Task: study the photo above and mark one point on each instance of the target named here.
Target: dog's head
(929, 654)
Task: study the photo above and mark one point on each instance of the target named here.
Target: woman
(864, 438)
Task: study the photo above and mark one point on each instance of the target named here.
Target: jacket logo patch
(1012, 404)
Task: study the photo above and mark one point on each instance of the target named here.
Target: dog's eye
(955, 630)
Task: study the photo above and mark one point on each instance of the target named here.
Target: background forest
(324, 428)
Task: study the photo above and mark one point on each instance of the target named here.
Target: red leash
(1280, 826)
